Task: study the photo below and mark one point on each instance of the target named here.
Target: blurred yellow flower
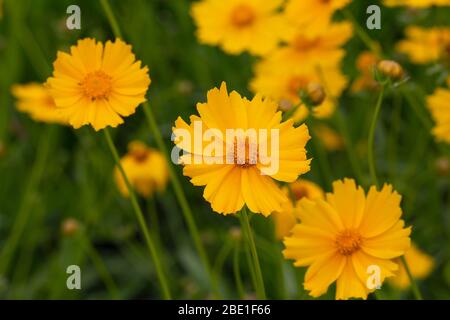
(35, 100)
(284, 86)
(416, 3)
(365, 63)
(313, 16)
(341, 236)
(331, 140)
(438, 104)
(239, 25)
(419, 263)
(231, 185)
(286, 218)
(426, 45)
(96, 84)
(146, 169)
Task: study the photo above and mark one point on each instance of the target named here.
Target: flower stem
(179, 193)
(373, 173)
(248, 236)
(175, 182)
(140, 217)
(237, 271)
(414, 286)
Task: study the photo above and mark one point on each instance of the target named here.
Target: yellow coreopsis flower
(416, 3)
(419, 263)
(35, 100)
(286, 219)
(438, 104)
(340, 237)
(237, 173)
(312, 16)
(426, 45)
(239, 25)
(331, 140)
(146, 169)
(98, 84)
(285, 86)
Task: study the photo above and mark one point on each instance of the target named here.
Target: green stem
(140, 217)
(173, 176)
(185, 208)
(248, 236)
(373, 173)
(414, 286)
(237, 271)
(26, 204)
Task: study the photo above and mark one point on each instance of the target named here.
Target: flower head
(419, 263)
(241, 169)
(146, 168)
(340, 237)
(390, 69)
(98, 84)
(239, 25)
(425, 45)
(365, 64)
(331, 140)
(35, 99)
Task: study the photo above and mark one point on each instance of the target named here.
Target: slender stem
(414, 286)
(26, 204)
(111, 18)
(185, 208)
(173, 176)
(237, 271)
(373, 173)
(248, 236)
(140, 217)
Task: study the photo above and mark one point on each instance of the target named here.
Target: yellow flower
(426, 45)
(416, 3)
(286, 219)
(341, 236)
(419, 263)
(239, 25)
(312, 16)
(331, 140)
(365, 63)
(234, 180)
(284, 86)
(98, 84)
(34, 99)
(146, 169)
(438, 104)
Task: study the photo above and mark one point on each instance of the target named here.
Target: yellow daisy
(146, 169)
(438, 104)
(234, 180)
(340, 237)
(426, 45)
(35, 100)
(419, 263)
(98, 84)
(312, 16)
(286, 219)
(239, 25)
(416, 3)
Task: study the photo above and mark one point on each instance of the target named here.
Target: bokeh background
(51, 173)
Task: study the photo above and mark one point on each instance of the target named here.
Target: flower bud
(315, 94)
(70, 226)
(390, 69)
(235, 233)
(442, 166)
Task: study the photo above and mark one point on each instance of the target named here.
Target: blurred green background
(50, 173)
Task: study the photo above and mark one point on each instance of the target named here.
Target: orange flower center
(296, 84)
(301, 43)
(300, 193)
(245, 153)
(242, 16)
(97, 85)
(348, 242)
